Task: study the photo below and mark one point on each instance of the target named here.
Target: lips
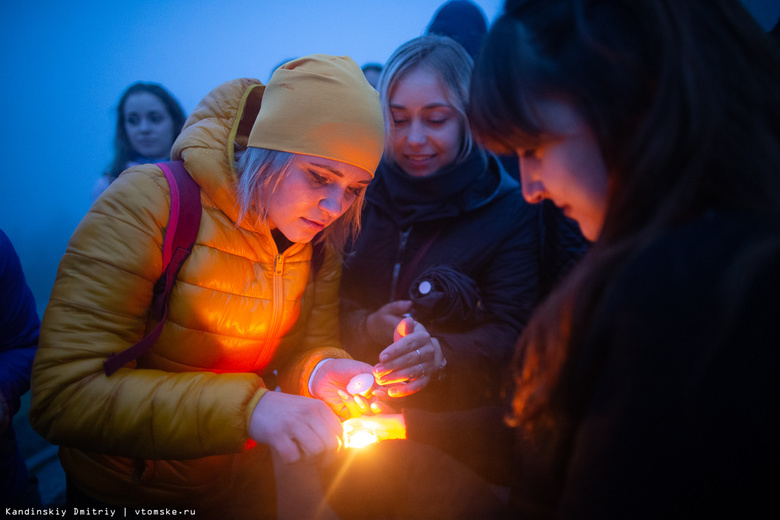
(317, 226)
(419, 158)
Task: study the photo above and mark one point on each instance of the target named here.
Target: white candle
(361, 384)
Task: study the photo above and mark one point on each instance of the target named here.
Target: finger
(380, 407)
(404, 327)
(317, 437)
(351, 407)
(406, 374)
(362, 403)
(409, 343)
(309, 443)
(399, 307)
(330, 420)
(287, 449)
(415, 386)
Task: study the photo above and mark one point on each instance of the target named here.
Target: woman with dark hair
(646, 384)
(148, 120)
(194, 420)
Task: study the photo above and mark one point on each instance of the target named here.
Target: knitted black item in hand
(445, 297)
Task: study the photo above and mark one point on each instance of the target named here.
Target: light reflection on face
(569, 171)
(313, 194)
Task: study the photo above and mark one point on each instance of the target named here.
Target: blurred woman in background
(148, 120)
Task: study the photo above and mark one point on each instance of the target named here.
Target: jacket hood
(206, 144)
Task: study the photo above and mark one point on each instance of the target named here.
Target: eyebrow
(426, 107)
(334, 171)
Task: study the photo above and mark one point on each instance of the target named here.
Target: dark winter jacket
(477, 222)
(19, 326)
(669, 408)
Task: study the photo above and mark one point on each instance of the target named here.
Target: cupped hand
(330, 384)
(381, 323)
(296, 428)
(406, 366)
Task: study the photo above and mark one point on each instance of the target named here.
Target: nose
(144, 125)
(533, 189)
(416, 134)
(333, 203)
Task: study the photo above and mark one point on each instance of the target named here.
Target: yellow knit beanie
(321, 105)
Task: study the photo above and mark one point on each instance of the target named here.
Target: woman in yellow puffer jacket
(190, 423)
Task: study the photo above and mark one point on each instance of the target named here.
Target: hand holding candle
(361, 384)
(360, 390)
(330, 382)
(407, 365)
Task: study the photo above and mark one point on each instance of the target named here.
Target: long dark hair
(123, 151)
(684, 99)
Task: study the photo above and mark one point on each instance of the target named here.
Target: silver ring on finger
(419, 356)
(421, 368)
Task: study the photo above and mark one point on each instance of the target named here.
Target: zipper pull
(278, 265)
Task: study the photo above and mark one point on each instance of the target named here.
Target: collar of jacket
(455, 189)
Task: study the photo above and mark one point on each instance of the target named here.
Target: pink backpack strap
(179, 239)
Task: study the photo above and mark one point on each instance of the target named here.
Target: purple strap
(179, 238)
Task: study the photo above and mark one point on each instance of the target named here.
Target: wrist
(439, 360)
(441, 372)
(313, 377)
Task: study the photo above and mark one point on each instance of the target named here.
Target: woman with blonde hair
(193, 421)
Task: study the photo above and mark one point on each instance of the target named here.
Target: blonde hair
(444, 57)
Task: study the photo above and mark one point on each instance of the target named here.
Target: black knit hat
(463, 21)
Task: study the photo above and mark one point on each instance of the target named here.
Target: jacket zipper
(404, 237)
(276, 312)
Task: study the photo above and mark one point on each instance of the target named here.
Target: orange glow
(361, 439)
(358, 437)
(362, 431)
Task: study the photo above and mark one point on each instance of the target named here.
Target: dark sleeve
(479, 438)
(365, 281)
(681, 421)
(509, 283)
(19, 324)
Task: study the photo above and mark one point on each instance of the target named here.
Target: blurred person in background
(19, 326)
(148, 121)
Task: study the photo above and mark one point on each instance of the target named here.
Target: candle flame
(358, 438)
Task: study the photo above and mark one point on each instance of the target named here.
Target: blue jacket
(19, 324)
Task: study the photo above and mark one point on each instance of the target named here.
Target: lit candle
(361, 384)
(358, 438)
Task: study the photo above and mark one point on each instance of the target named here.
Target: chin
(299, 238)
(590, 231)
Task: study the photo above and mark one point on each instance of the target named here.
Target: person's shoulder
(8, 256)
(698, 257)
(139, 193)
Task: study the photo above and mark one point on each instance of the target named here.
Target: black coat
(669, 408)
(478, 223)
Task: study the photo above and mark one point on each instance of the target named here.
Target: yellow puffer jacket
(173, 429)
